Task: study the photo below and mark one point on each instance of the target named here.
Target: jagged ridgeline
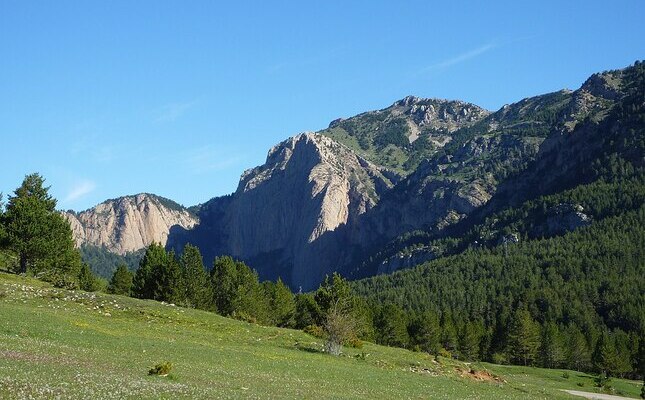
(420, 179)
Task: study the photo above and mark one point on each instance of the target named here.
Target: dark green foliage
(390, 324)
(159, 276)
(425, 332)
(551, 353)
(307, 311)
(198, 291)
(585, 281)
(282, 304)
(161, 369)
(605, 358)
(237, 291)
(577, 353)
(448, 334)
(121, 282)
(103, 262)
(40, 236)
(86, 280)
(468, 339)
(523, 338)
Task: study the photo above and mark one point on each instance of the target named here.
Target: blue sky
(179, 97)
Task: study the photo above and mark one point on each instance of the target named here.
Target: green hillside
(71, 344)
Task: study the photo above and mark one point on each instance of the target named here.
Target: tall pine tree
(40, 236)
(121, 282)
(198, 291)
(523, 338)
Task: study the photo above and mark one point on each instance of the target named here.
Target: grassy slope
(84, 345)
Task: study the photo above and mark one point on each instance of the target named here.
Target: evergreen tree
(224, 281)
(86, 279)
(282, 304)
(40, 236)
(523, 338)
(168, 282)
(307, 311)
(121, 282)
(237, 291)
(578, 356)
(334, 289)
(449, 339)
(390, 324)
(468, 340)
(604, 357)
(425, 332)
(145, 284)
(196, 282)
(551, 347)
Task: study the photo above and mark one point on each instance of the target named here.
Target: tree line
(574, 301)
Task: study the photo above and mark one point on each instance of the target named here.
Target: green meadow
(72, 344)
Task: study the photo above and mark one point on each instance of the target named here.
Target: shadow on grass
(306, 347)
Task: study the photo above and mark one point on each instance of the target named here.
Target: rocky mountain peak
(129, 223)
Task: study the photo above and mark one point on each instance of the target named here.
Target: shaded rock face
(129, 223)
(563, 218)
(283, 212)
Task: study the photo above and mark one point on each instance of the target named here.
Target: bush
(565, 375)
(499, 358)
(162, 369)
(445, 353)
(355, 343)
(315, 331)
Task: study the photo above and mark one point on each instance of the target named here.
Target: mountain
(281, 213)
(130, 223)
(392, 188)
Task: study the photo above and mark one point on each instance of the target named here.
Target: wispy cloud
(460, 58)
(308, 61)
(79, 190)
(173, 111)
(208, 159)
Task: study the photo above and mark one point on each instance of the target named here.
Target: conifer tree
(196, 282)
(121, 282)
(523, 338)
(145, 284)
(468, 340)
(604, 357)
(86, 279)
(307, 311)
(390, 324)
(40, 236)
(282, 304)
(223, 279)
(551, 348)
(168, 282)
(449, 339)
(425, 332)
(577, 355)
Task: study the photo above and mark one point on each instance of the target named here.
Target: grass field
(65, 344)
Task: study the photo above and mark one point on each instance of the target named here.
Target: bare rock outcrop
(129, 223)
(283, 210)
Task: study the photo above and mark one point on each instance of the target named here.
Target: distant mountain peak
(129, 223)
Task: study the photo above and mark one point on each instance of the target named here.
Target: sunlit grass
(57, 343)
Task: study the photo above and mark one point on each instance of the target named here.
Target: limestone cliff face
(308, 187)
(129, 223)
(284, 214)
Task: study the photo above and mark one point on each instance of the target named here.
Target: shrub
(499, 358)
(355, 343)
(565, 375)
(162, 369)
(315, 331)
(445, 353)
